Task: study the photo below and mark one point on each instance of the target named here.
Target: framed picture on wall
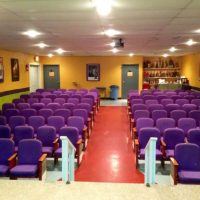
(15, 69)
(1, 70)
(93, 72)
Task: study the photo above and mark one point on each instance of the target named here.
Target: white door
(34, 77)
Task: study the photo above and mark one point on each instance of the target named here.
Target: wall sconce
(36, 58)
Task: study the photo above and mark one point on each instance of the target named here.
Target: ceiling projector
(119, 43)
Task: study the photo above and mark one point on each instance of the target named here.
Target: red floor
(109, 156)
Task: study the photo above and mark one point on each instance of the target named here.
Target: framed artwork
(1, 70)
(15, 69)
(93, 72)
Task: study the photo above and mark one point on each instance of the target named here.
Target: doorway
(34, 77)
(130, 78)
(51, 77)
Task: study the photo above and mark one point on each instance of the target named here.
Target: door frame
(39, 74)
(138, 66)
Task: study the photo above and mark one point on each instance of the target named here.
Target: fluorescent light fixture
(103, 7)
(114, 50)
(60, 51)
(131, 54)
(190, 42)
(165, 55)
(172, 49)
(50, 55)
(112, 44)
(197, 31)
(31, 33)
(42, 45)
(111, 32)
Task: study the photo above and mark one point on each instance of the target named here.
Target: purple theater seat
(63, 113)
(69, 106)
(37, 96)
(182, 94)
(32, 101)
(196, 102)
(7, 106)
(153, 107)
(57, 93)
(189, 97)
(5, 131)
(151, 101)
(7, 150)
(22, 106)
(195, 114)
(73, 135)
(51, 96)
(25, 97)
(36, 122)
(46, 113)
(16, 101)
(167, 101)
(157, 114)
(175, 97)
(57, 122)
(46, 101)
(136, 101)
(160, 97)
(81, 113)
(59, 100)
(53, 106)
(178, 114)
(144, 135)
(171, 137)
(193, 136)
(30, 163)
(3, 120)
(47, 135)
(15, 121)
(37, 106)
(75, 101)
(189, 107)
(186, 163)
(181, 102)
(85, 91)
(77, 96)
(148, 97)
(64, 96)
(138, 107)
(28, 113)
(171, 107)
(11, 112)
(186, 124)
(170, 93)
(164, 123)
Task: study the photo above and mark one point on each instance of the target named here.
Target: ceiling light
(172, 49)
(197, 31)
(165, 55)
(131, 54)
(103, 7)
(60, 51)
(111, 32)
(50, 55)
(190, 42)
(112, 44)
(42, 45)
(115, 50)
(32, 33)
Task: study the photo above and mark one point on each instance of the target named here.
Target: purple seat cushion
(169, 153)
(189, 176)
(3, 170)
(158, 154)
(58, 152)
(47, 150)
(24, 171)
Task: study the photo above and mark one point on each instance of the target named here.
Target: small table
(102, 91)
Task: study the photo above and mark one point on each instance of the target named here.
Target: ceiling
(148, 27)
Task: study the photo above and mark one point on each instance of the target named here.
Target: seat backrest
(172, 137)
(82, 113)
(53, 106)
(153, 107)
(171, 107)
(181, 102)
(56, 121)
(32, 100)
(22, 106)
(46, 101)
(178, 114)
(136, 101)
(75, 101)
(188, 157)
(36, 122)
(196, 102)
(151, 101)
(11, 112)
(37, 106)
(28, 113)
(85, 106)
(189, 107)
(195, 114)
(45, 112)
(63, 112)
(141, 114)
(6, 106)
(186, 124)
(138, 107)
(148, 97)
(193, 136)
(77, 122)
(3, 120)
(7, 149)
(5, 131)
(167, 101)
(143, 123)
(145, 134)
(51, 96)
(59, 100)
(157, 114)
(26, 154)
(47, 135)
(164, 123)
(16, 121)
(69, 106)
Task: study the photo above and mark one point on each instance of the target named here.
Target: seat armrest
(42, 166)
(136, 142)
(163, 147)
(174, 170)
(12, 160)
(55, 144)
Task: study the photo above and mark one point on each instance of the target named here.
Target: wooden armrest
(56, 144)
(56, 140)
(79, 141)
(42, 166)
(163, 143)
(136, 142)
(186, 140)
(12, 160)
(42, 157)
(174, 170)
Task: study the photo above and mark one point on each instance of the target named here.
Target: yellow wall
(191, 69)
(24, 75)
(73, 69)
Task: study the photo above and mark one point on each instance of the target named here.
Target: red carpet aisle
(109, 156)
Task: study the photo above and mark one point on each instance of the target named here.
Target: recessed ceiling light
(42, 45)
(31, 33)
(165, 55)
(103, 7)
(111, 32)
(197, 31)
(50, 55)
(60, 51)
(131, 54)
(115, 50)
(172, 49)
(190, 42)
